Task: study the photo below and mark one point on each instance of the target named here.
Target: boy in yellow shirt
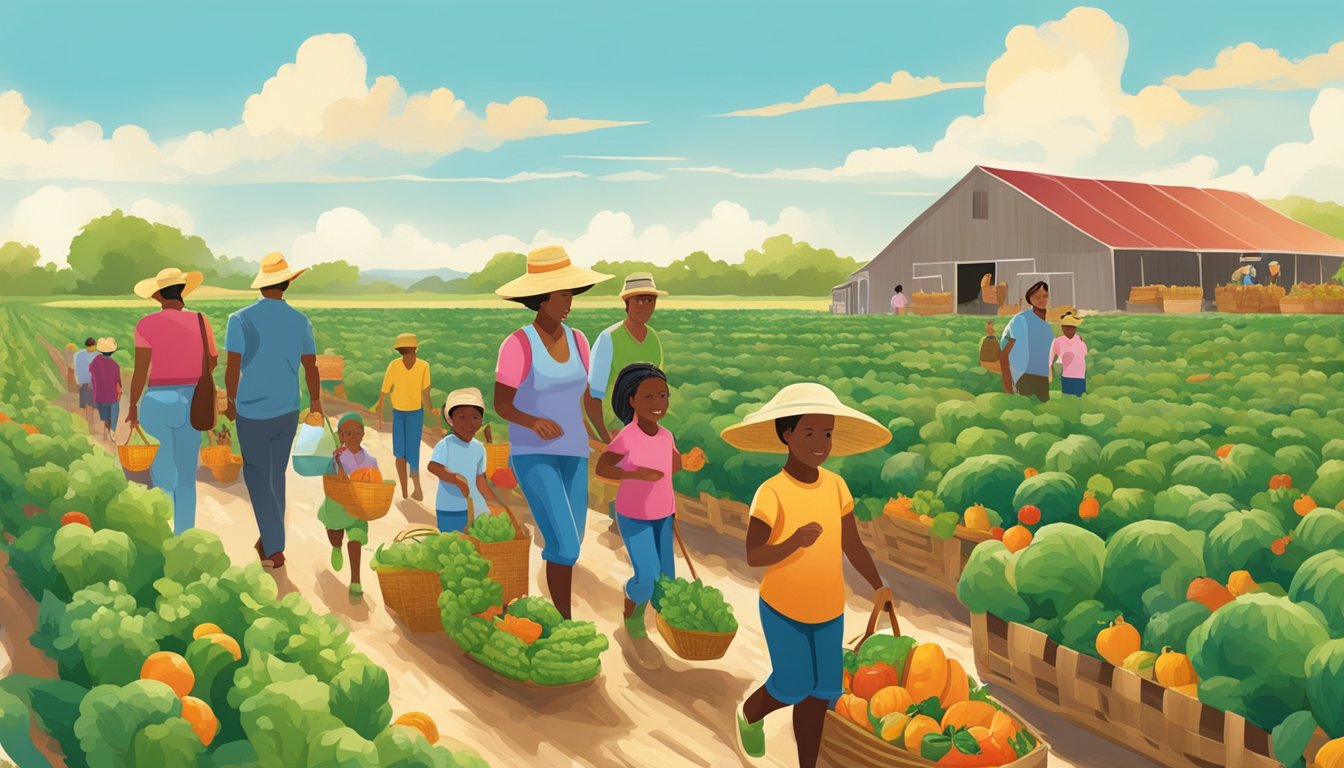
(407, 381)
(802, 529)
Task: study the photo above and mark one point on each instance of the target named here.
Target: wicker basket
(137, 458)
(907, 546)
(994, 294)
(1295, 305)
(531, 684)
(363, 501)
(227, 473)
(330, 367)
(1145, 294)
(412, 594)
(510, 561)
(694, 646)
(496, 457)
(931, 303)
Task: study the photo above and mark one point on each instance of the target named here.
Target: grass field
(449, 301)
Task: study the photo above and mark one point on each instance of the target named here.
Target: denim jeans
(649, 544)
(556, 489)
(266, 445)
(807, 660)
(450, 521)
(165, 413)
(407, 427)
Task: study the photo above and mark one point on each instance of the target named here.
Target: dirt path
(679, 715)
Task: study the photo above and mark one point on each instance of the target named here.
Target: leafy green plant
(693, 606)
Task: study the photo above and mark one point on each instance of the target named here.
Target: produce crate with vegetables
(694, 619)
(920, 536)
(413, 570)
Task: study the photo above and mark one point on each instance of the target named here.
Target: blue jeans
(807, 659)
(109, 412)
(165, 413)
(556, 489)
(451, 521)
(649, 544)
(407, 427)
(266, 445)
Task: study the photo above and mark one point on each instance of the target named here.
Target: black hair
(109, 354)
(466, 405)
(1039, 285)
(173, 293)
(89, 342)
(900, 288)
(534, 302)
(402, 350)
(277, 287)
(786, 424)
(627, 384)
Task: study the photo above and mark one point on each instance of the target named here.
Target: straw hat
(466, 396)
(167, 278)
(855, 432)
(107, 344)
(549, 269)
(275, 270)
(1070, 318)
(406, 340)
(640, 284)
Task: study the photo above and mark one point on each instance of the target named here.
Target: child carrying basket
(356, 494)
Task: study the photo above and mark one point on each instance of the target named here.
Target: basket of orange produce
(137, 458)
(219, 457)
(364, 493)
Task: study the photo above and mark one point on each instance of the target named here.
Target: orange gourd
(1280, 546)
(1174, 669)
(1089, 507)
(1304, 505)
(854, 709)
(4, 417)
(977, 517)
(1004, 727)
(1280, 482)
(1240, 583)
(76, 518)
(202, 630)
(892, 728)
(526, 630)
(170, 669)
(867, 681)
(422, 723)
(1017, 538)
(926, 672)
(489, 614)
(228, 643)
(1116, 642)
(958, 687)
(901, 506)
(1330, 755)
(1224, 450)
(1029, 473)
(366, 475)
(1029, 514)
(970, 714)
(30, 429)
(889, 700)
(1209, 593)
(919, 727)
(201, 717)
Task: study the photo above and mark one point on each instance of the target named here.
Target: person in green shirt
(629, 341)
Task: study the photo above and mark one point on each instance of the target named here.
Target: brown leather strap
(873, 620)
(676, 533)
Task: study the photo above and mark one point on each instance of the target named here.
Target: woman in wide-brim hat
(407, 382)
(541, 380)
(801, 531)
(173, 347)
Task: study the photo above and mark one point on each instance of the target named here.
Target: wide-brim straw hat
(167, 278)
(1070, 318)
(406, 340)
(855, 431)
(107, 344)
(640, 284)
(549, 269)
(275, 270)
(464, 396)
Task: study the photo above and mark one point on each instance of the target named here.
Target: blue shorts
(807, 659)
(108, 412)
(407, 427)
(1072, 386)
(450, 521)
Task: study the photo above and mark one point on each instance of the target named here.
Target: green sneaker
(337, 558)
(750, 737)
(356, 590)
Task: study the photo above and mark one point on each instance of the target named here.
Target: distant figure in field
(1273, 273)
(628, 342)
(83, 359)
(1071, 352)
(1025, 360)
(407, 381)
(105, 376)
(899, 301)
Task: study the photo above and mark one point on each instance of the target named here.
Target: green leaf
(1290, 739)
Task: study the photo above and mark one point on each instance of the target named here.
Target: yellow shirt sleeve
(387, 378)
(765, 506)
(846, 498)
(425, 384)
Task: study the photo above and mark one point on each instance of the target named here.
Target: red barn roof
(1133, 215)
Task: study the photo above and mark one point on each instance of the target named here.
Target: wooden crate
(1182, 306)
(932, 304)
(907, 546)
(1295, 305)
(1146, 294)
(1169, 727)
(330, 367)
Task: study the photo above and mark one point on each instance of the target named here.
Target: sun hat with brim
(855, 431)
(406, 340)
(465, 396)
(1070, 318)
(167, 278)
(549, 269)
(107, 344)
(640, 284)
(349, 417)
(274, 271)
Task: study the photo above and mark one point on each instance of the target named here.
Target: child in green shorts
(801, 531)
(340, 524)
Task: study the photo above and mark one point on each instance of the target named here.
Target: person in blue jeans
(541, 378)
(266, 343)
(458, 462)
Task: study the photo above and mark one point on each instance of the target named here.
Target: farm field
(466, 301)
(1188, 423)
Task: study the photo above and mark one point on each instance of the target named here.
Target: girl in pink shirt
(1071, 352)
(643, 457)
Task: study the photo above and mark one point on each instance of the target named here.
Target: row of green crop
(111, 593)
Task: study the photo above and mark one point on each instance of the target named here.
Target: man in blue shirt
(1025, 361)
(266, 343)
(83, 359)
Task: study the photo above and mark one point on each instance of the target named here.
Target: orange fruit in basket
(366, 475)
(170, 669)
(420, 722)
(201, 718)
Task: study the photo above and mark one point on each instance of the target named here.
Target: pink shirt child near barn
(1072, 352)
(642, 499)
(173, 338)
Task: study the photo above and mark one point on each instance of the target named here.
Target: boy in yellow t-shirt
(407, 381)
(802, 529)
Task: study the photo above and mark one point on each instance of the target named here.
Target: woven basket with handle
(362, 501)
(413, 594)
(137, 458)
(510, 560)
(227, 473)
(690, 644)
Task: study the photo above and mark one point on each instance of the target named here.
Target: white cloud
(901, 86)
(312, 115)
(1312, 168)
(631, 158)
(417, 178)
(52, 216)
(632, 176)
(1249, 66)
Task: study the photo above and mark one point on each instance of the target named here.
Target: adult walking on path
(1025, 361)
(83, 379)
(266, 343)
(407, 381)
(171, 346)
(541, 380)
(628, 342)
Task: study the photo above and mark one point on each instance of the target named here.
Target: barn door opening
(971, 278)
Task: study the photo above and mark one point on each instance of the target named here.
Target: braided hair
(627, 384)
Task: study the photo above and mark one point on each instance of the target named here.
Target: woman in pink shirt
(643, 457)
(1071, 351)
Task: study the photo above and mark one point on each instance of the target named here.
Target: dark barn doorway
(970, 276)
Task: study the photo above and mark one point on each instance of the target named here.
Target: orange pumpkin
(76, 518)
(993, 750)
(969, 714)
(1004, 727)
(170, 669)
(1209, 593)
(1116, 642)
(201, 717)
(1017, 538)
(1089, 507)
(901, 506)
(958, 687)
(926, 672)
(1280, 546)
(892, 728)
(1173, 669)
(889, 700)
(1280, 482)
(919, 727)
(4, 417)
(1029, 473)
(366, 475)
(854, 709)
(202, 630)
(420, 722)
(867, 681)
(228, 643)
(1240, 583)
(1304, 505)
(1029, 514)
(1224, 450)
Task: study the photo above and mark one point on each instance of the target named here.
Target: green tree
(112, 252)
(21, 276)
(329, 277)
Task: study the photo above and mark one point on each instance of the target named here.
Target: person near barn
(1025, 358)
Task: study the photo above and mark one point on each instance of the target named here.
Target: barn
(1091, 239)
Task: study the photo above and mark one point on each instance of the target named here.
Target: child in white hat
(801, 531)
(458, 462)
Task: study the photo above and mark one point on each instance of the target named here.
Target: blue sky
(172, 69)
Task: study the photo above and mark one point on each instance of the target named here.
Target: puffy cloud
(901, 86)
(305, 119)
(1312, 168)
(52, 216)
(1249, 66)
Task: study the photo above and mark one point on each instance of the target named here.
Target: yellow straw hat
(855, 431)
(640, 284)
(465, 396)
(406, 340)
(1070, 318)
(107, 344)
(549, 269)
(167, 278)
(275, 270)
